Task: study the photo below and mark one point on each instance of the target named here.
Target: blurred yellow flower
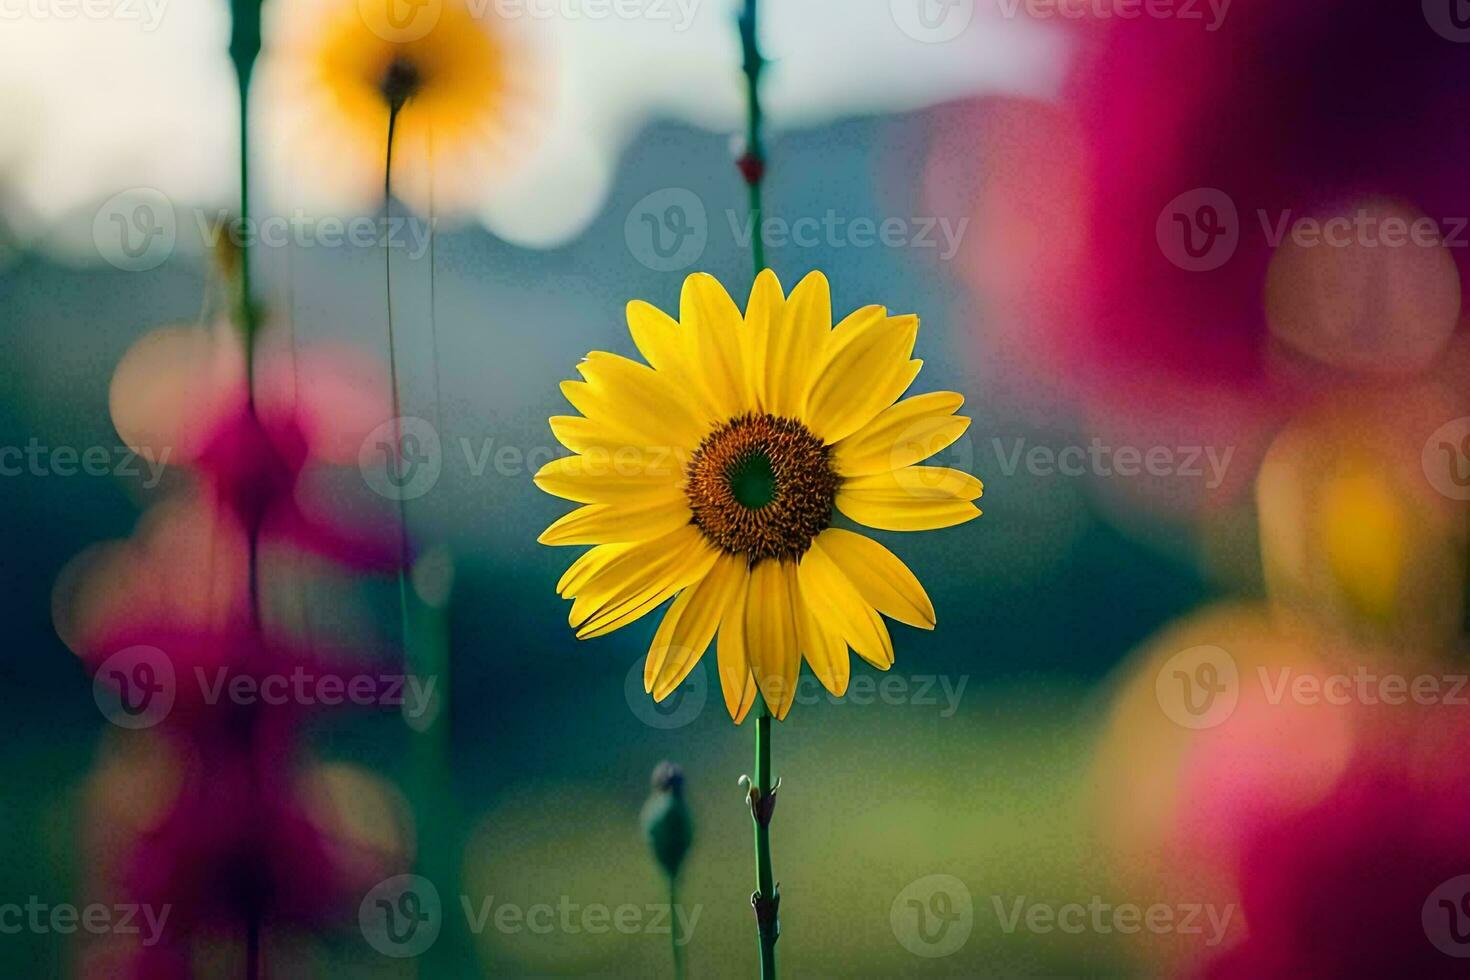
(1352, 532)
(1363, 534)
(711, 474)
(458, 74)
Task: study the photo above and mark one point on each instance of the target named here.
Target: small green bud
(667, 824)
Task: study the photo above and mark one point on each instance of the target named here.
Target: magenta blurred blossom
(1350, 886)
(1289, 107)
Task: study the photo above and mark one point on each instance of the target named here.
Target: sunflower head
(712, 475)
(452, 74)
(762, 487)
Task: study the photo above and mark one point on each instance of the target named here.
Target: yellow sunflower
(709, 475)
(461, 79)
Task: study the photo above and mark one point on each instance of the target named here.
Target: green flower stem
(753, 161)
(765, 880)
(244, 49)
(676, 948)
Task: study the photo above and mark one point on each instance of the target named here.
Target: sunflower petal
(737, 683)
(867, 369)
(763, 313)
(906, 514)
(832, 597)
(637, 395)
(770, 632)
(669, 349)
(824, 650)
(657, 336)
(708, 312)
(587, 565)
(609, 523)
(638, 580)
(689, 626)
(880, 577)
(631, 476)
(797, 346)
(902, 434)
(917, 482)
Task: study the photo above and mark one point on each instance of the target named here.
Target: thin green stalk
(403, 572)
(766, 897)
(753, 161)
(677, 947)
(752, 164)
(244, 49)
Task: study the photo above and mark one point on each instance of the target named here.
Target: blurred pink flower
(1351, 886)
(240, 841)
(1195, 137)
(180, 395)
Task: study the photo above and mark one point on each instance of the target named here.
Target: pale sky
(144, 97)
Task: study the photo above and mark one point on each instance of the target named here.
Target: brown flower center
(761, 486)
(400, 81)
